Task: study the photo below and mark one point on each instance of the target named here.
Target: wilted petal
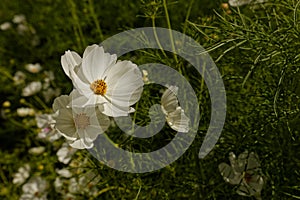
(169, 100)
(178, 121)
(253, 162)
(229, 175)
(238, 164)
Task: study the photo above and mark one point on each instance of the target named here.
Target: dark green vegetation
(256, 48)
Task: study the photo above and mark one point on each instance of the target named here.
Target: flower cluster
(103, 88)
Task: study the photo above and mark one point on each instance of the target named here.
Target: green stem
(170, 30)
(156, 37)
(96, 21)
(187, 16)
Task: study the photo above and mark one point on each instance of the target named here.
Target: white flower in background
(22, 29)
(80, 126)
(33, 68)
(100, 79)
(46, 123)
(32, 88)
(51, 93)
(65, 173)
(244, 171)
(21, 176)
(85, 184)
(35, 189)
(175, 116)
(5, 26)
(236, 3)
(19, 77)
(49, 76)
(65, 153)
(37, 150)
(24, 112)
(19, 19)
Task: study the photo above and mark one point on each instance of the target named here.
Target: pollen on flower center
(81, 121)
(99, 87)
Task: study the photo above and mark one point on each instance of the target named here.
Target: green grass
(255, 48)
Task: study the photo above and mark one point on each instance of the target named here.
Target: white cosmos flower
(5, 26)
(175, 116)
(244, 171)
(100, 79)
(65, 153)
(33, 68)
(19, 77)
(22, 174)
(46, 124)
(32, 88)
(80, 125)
(23, 112)
(35, 189)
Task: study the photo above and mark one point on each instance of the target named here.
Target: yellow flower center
(81, 121)
(99, 87)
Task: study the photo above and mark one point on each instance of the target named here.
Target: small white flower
(51, 93)
(19, 77)
(35, 189)
(65, 153)
(46, 123)
(23, 112)
(19, 19)
(175, 116)
(101, 80)
(37, 150)
(64, 172)
(22, 29)
(244, 171)
(5, 26)
(32, 88)
(236, 3)
(22, 174)
(80, 126)
(33, 68)
(85, 184)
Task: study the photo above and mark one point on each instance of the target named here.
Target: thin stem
(156, 37)
(170, 30)
(96, 21)
(187, 16)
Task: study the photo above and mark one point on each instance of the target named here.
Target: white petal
(169, 100)
(178, 121)
(116, 111)
(229, 175)
(60, 102)
(69, 61)
(81, 144)
(95, 62)
(253, 162)
(238, 164)
(65, 124)
(124, 84)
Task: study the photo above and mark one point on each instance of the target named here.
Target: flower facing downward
(244, 171)
(100, 79)
(80, 126)
(175, 116)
